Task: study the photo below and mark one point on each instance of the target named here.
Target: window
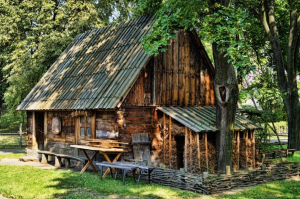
(85, 127)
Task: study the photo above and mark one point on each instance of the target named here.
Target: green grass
(11, 141)
(12, 156)
(279, 189)
(29, 182)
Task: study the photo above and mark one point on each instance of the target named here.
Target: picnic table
(126, 167)
(102, 150)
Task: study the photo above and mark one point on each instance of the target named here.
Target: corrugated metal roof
(203, 119)
(95, 70)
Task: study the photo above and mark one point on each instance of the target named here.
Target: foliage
(29, 182)
(34, 33)
(10, 121)
(222, 27)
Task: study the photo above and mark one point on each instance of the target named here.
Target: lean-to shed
(104, 82)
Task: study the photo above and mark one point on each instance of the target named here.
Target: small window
(89, 132)
(85, 127)
(88, 120)
(82, 118)
(82, 132)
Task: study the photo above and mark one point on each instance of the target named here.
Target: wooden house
(104, 83)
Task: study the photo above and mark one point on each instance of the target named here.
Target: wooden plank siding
(181, 77)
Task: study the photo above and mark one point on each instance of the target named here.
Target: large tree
(281, 20)
(34, 33)
(220, 23)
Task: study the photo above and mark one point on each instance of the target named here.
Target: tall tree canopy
(220, 23)
(34, 33)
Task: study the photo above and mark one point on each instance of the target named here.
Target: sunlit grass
(12, 156)
(29, 182)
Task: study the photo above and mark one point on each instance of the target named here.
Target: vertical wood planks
(246, 141)
(253, 148)
(175, 72)
(191, 149)
(34, 141)
(185, 148)
(206, 150)
(170, 141)
(45, 130)
(181, 69)
(187, 69)
(238, 150)
(207, 88)
(198, 150)
(164, 138)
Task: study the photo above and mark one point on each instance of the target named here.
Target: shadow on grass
(89, 185)
(278, 189)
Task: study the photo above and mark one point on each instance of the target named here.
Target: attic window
(85, 127)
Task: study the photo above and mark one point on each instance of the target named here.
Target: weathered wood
(206, 151)
(45, 130)
(253, 148)
(185, 148)
(170, 141)
(141, 151)
(170, 68)
(181, 69)
(191, 149)
(175, 72)
(164, 134)
(238, 150)
(207, 89)
(246, 148)
(198, 150)
(93, 125)
(187, 69)
(34, 141)
(202, 87)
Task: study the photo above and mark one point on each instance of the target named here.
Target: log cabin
(105, 84)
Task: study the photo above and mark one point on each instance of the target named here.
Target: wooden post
(246, 140)
(170, 141)
(187, 69)
(191, 149)
(206, 151)
(45, 130)
(185, 148)
(198, 150)
(93, 125)
(164, 132)
(20, 132)
(238, 150)
(253, 149)
(34, 143)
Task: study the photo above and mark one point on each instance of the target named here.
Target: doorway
(179, 151)
(39, 118)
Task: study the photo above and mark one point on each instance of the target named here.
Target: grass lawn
(30, 182)
(12, 156)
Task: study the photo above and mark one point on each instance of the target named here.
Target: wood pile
(220, 183)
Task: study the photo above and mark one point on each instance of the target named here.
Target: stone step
(29, 159)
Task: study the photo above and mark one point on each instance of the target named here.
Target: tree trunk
(226, 91)
(286, 72)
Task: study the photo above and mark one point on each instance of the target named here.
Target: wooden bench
(126, 167)
(45, 155)
(67, 160)
(58, 159)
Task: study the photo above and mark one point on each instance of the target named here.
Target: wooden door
(39, 118)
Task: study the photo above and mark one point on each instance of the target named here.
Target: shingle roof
(203, 119)
(95, 70)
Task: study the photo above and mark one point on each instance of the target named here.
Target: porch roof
(203, 119)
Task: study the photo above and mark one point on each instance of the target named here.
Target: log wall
(178, 77)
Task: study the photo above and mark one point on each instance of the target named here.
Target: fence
(12, 140)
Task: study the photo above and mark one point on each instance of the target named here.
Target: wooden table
(103, 151)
